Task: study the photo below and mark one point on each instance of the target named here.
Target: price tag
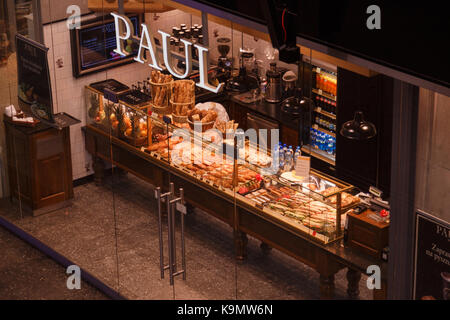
(303, 166)
(315, 126)
(181, 207)
(319, 109)
(320, 91)
(318, 70)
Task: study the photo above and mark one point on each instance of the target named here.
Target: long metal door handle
(183, 250)
(160, 232)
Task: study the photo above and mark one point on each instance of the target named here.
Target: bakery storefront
(184, 150)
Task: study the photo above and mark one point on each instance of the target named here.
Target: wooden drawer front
(367, 237)
(364, 238)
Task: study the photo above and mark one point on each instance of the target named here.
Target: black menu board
(34, 88)
(432, 264)
(94, 42)
(135, 98)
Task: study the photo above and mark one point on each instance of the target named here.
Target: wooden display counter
(242, 217)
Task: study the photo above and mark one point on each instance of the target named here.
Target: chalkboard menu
(34, 88)
(432, 263)
(94, 42)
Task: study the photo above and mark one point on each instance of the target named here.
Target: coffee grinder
(246, 80)
(224, 64)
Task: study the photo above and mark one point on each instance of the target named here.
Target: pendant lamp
(358, 128)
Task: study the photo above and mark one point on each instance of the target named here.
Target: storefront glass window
(258, 225)
(433, 154)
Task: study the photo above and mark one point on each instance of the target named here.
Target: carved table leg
(265, 248)
(326, 287)
(240, 241)
(99, 171)
(353, 278)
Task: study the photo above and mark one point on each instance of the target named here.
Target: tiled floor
(124, 206)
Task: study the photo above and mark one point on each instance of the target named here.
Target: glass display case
(314, 206)
(118, 111)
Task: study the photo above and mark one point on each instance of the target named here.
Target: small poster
(432, 258)
(34, 89)
(302, 167)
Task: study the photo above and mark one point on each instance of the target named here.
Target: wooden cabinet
(366, 234)
(365, 163)
(39, 166)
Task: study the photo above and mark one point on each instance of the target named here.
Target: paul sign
(124, 26)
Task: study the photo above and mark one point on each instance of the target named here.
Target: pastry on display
(346, 198)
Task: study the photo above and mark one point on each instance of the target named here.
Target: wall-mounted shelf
(315, 126)
(319, 154)
(324, 94)
(329, 115)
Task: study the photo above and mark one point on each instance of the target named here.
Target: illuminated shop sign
(124, 26)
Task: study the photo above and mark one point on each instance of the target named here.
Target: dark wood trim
(401, 231)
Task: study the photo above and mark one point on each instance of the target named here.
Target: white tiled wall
(68, 92)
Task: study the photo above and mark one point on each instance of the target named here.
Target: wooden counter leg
(353, 278)
(265, 248)
(240, 241)
(327, 287)
(99, 171)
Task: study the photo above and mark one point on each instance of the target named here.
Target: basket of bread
(182, 99)
(201, 119)
(161, 85)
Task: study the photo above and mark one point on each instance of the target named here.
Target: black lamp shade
(358, 128)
